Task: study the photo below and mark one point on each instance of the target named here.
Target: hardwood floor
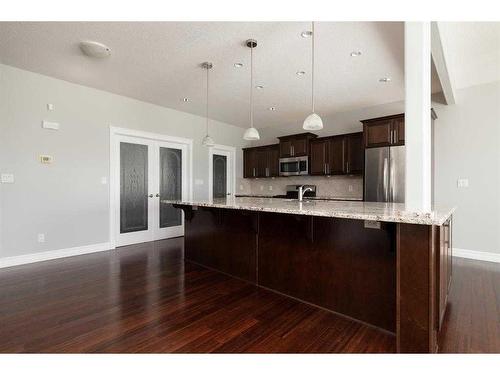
(144, 298)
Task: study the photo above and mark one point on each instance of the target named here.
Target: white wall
(467, 145)
(66, 200)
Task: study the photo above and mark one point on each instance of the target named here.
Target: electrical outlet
(241, 187)
(104, 180)
(7, 178)
(261, 187)
(350, 188)
(463, 183)
(41, 237)
(270, 187)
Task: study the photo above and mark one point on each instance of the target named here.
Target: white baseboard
(54, 254)
(476, 255)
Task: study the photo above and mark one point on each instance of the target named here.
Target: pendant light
(313, 121)
(208, 140)
(251, 134)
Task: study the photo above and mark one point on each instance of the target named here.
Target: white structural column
(418, 115)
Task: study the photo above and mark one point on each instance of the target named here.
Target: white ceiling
(472, 51)
(158, 62)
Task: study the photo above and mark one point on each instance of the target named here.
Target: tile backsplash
(331, 187)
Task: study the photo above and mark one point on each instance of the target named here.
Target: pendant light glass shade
(251, 134)
(313, 121)
(208, 140)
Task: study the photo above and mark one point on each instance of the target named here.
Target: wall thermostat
(46, 159)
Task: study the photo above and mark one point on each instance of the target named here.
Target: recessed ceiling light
(384, 80)
(355, 53)
(95, 49)
(306, 34)
(185, 100)
(259, 87)
(272, 108)
(300, 73)
(238, 65)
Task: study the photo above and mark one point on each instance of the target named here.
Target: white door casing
(154, 142)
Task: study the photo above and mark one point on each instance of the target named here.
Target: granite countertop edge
(331, 209)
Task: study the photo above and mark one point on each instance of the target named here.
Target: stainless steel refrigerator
(385, 174)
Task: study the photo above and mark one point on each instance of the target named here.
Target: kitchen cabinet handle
(395, 135)
(267, 171)
(324, 168)
(292, 150)
(254, 171)
(348, 167)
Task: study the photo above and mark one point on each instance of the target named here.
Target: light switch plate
(50, 125)
(104, 180)
(463, 183)
(372, 224)
(7, 178)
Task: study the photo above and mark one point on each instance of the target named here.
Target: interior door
(135, 211)
(170, 184)
(220, 174)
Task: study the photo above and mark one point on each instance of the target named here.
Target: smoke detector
(95, 49)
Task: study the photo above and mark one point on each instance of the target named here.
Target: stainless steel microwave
(294, 166)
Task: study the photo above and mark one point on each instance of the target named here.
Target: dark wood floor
(144, 298)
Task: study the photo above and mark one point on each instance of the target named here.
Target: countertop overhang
(374, 211)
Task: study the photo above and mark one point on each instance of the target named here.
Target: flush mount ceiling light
(259, 87)
(313, 121)
(207, 141)
(385, 79)
(355, 53)
(272, 108)
(251, 134)
(306, 34)
(238, 65)
(95, 49)
(185, 100)
(300, 73)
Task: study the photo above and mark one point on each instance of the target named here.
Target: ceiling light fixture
(272, 108)
(185, 100)
(207, 141)
(313, 121)
(259, 87)
(306, 34)
(385, 79)
(95, 49)
(251, 134)
(238, 65)
(355, 53)
(300, 73)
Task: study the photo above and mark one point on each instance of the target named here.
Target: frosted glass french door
(150, 171)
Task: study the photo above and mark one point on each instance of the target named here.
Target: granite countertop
(322, 198)
(377, 211)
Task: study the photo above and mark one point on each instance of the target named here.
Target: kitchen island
(378, 263)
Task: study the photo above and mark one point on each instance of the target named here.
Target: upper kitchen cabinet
(261, 161)
(337, 155)
(384, 131)
(295, 145)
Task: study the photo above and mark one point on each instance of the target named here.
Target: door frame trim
(232, 167)
(114, 159)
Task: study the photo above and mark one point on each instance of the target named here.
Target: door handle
(150, 195)
(157, 195)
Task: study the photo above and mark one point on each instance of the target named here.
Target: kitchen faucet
(302, 191)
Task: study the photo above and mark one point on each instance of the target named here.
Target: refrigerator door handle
(391, 182)
(386, 182)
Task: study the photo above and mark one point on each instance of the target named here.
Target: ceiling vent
(95, 49)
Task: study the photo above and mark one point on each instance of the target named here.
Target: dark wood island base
(395, 278)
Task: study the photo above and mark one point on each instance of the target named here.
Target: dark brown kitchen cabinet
(342, 154)
(355, 153)
(261, 161)
(295, 145)
(384, 131)
(249, 163)
(318, 156)
(443, 268)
